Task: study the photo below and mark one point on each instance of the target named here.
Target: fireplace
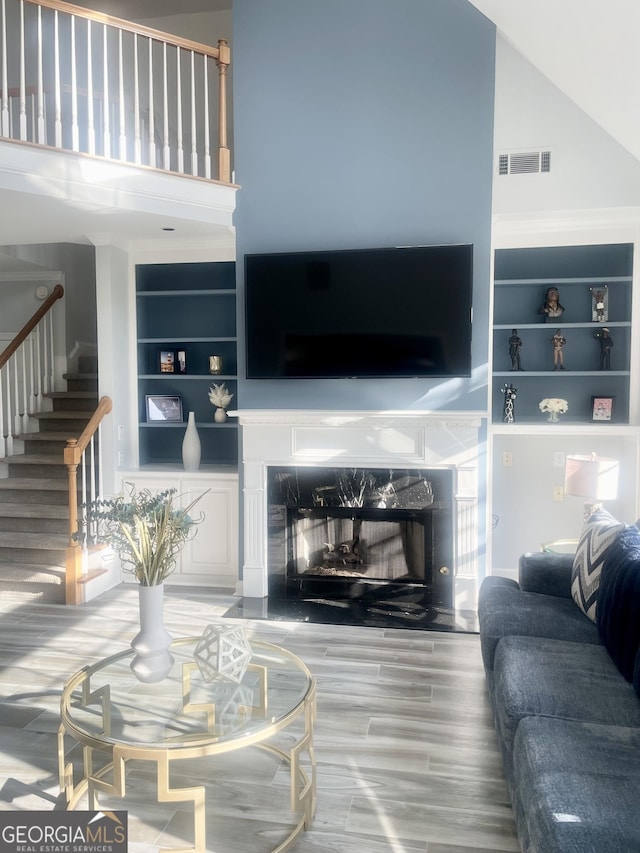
(345, 532)
(406, 440)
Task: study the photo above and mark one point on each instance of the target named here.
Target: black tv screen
(400, 312)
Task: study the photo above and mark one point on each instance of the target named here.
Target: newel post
(73, 555)
(224, 158)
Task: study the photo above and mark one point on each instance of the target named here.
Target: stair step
(32, 582)
(68, 395)
(35, 459)
(34, 490)
(34, 541)
(75, 414)
(25, 510)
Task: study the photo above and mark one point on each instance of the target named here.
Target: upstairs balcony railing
(86, 82)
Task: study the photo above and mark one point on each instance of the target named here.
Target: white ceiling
(587, 48)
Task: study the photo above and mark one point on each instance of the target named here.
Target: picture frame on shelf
(602, 409)
(167, 361)
(163, 409)
(181, 361)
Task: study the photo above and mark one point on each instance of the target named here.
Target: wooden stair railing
(75, 456)
(115, 89)
(26, 372)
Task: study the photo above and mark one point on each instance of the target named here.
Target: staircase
(34, 511)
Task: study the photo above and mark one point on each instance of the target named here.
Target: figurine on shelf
(599, 303)
(508, 414)
(515, 345)
(558, 341)
(551, 308)
(605, 348)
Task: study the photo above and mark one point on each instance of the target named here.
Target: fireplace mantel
(394, 439)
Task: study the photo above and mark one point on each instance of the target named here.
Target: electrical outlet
(507, 459)
(558, 493)
(558, 459)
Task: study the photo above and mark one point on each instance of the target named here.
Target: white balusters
(207, 152)
(5, 76)
(152, 125)
(32, 405)
(194, 138)
(106, 123)
(122, 148)
(75, 135)
(23, 83)
(41, 129)
(166, 156)
(48, 331)
(3, 432)
(47, 76)
(137, 143)
(91, 129)
(179, 112)
(57, 90)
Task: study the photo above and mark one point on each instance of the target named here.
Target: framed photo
(160, 408)
(181, 361)
(167, 361)
(602, 408)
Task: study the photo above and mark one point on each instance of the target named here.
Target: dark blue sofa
(565, 694)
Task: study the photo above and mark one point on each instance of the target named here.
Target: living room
(356, 129)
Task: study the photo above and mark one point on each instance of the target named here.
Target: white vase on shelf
(191, 445)
(220, 415)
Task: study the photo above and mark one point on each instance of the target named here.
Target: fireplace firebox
(358, 532)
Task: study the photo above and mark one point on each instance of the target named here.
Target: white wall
(589, 169)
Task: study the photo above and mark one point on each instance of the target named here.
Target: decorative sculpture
(515, 345)
(605, 348)
(551, 308)
(558, 341)
(224, 652)
(600, 303)
(508, 413)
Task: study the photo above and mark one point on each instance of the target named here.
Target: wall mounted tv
(391, 312)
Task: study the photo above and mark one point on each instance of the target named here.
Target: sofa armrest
(545, 573)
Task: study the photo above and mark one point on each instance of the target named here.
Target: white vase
(191, 445)
(152, 661)
(220, 415)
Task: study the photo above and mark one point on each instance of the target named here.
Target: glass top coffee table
(106, 709)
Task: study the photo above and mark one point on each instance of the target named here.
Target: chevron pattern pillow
(599, 532)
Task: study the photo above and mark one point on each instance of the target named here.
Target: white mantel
(395, 439)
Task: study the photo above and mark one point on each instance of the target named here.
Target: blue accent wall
(364, 123)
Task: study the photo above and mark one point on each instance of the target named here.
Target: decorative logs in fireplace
(338, 532)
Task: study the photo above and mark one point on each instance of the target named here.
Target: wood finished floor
(406, 753)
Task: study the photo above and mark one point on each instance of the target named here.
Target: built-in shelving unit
(522, 277)
(186, 308)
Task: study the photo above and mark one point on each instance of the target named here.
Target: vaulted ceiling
(587, 48)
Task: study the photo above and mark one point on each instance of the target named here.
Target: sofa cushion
(505, 611)
(576, 786)
(541, 677)
(598, 533)
(618, 613)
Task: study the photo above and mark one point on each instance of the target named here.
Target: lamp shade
(593, 477)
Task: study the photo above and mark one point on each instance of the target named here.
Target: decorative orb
(223, 651)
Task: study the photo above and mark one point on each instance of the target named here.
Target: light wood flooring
(407, 757)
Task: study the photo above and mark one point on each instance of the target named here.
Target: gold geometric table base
(302, 784)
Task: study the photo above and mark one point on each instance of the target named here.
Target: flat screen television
(391, 312)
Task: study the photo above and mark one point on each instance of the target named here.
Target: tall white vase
(191, 445)
(152, 661)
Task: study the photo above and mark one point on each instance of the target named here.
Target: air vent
(524, 163)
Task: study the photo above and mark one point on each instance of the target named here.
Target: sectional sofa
(560, 651)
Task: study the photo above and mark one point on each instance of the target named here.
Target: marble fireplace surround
(405, 439)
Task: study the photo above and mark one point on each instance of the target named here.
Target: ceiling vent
(524, 163)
